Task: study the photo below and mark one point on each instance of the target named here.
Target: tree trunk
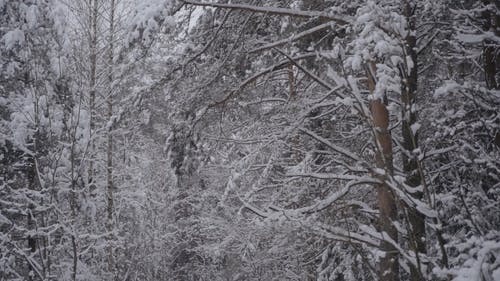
(410, 142)
(110, 136)
(491, 56)
(291, 81)
(389, 263)
(94, 12)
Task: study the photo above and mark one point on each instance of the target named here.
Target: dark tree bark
(389, 263)
(410, 141)
(490, 19)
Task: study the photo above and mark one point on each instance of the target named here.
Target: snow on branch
(256, 76)
(276, 11)
(292, 38)
(331, 176)
(340, 234)
(373, 233)
(331, 145)
(335, 196)
(416, 204)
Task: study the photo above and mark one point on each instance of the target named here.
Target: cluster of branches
(330, 125)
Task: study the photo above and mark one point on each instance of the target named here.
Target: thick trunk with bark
(389, 262)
